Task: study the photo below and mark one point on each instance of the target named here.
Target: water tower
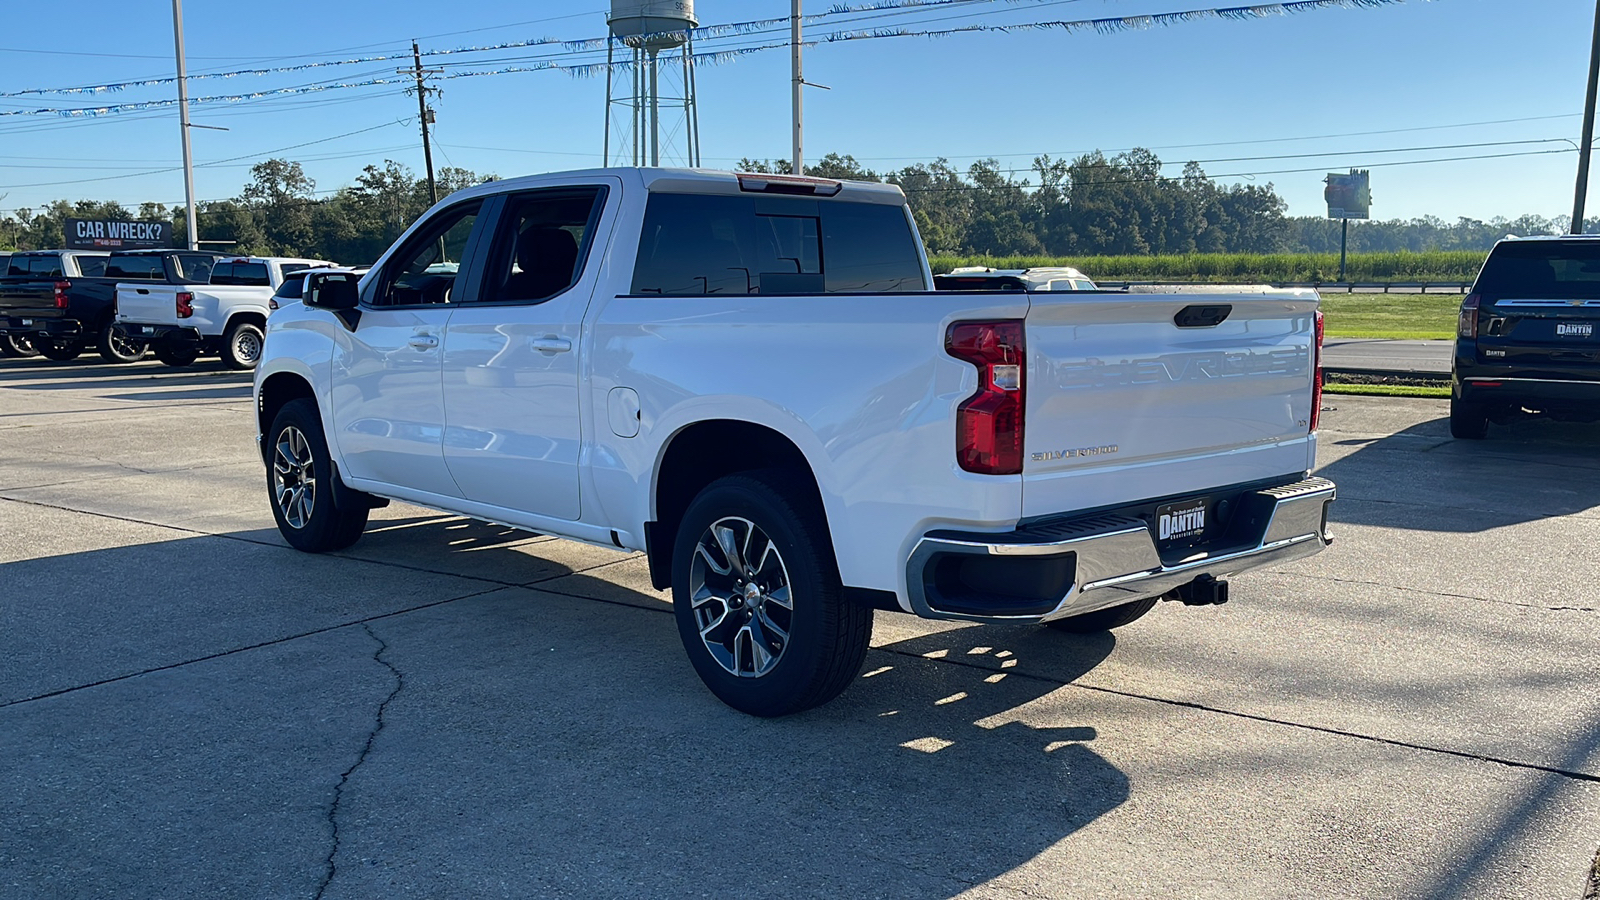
(659, 36)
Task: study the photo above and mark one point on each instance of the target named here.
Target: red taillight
(1316, 383)
(989, 424)
(1467, 325)
(185, 304)
(61, 293)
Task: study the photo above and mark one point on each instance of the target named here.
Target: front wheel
(758, 601)
(18, 346)
(116, 347)
(300, 484)
(241, 346)
(60, 351)
(1468, 421)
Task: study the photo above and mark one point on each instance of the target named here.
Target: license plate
(148, 330)
(26, 322)
(1183, 524)
(1574, 329)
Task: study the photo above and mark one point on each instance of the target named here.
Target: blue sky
(1340, 84)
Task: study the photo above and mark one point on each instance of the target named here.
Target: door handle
(551, 344)
(423, 341)
(141, 291)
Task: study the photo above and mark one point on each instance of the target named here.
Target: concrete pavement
(452, 709)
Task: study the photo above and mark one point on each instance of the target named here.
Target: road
(1399, 357)
(188, 708)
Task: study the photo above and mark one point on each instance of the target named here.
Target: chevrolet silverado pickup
(65, 310)
(227, 316)
(749, 379)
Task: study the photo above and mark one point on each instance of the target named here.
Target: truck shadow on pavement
(1421, 478)
(548, 743)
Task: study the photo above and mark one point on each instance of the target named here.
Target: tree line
(1092, 205)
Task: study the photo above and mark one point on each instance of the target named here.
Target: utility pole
(1584, 149)
(183, 121)
(798, 163)
(423, 112)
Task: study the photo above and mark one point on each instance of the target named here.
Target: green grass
(1442, 266)
(1388, 390)
(1400, 316)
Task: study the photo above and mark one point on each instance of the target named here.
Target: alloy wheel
(294, 480)
(740, 595)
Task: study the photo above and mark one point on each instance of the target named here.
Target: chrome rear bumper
(1077, 566)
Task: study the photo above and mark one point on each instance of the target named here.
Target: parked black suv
(1528, 339)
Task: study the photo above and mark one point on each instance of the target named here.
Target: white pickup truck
(228, 316)
(747, 378)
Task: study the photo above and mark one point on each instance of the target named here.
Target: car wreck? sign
(109, 234)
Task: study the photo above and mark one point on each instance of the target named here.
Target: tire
(114, 348)
(175, 353)
(810, 650)
(17, 346)
(1468, 421)
(241, 346)
(60, 351)
(300, 484)
(1106, 619)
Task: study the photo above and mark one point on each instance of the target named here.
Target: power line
(209, 164)
(1159, 178)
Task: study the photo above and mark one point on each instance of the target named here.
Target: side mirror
(334, 291)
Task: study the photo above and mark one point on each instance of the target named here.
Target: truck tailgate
(148, 304)
(1125, 404)
(31, 297)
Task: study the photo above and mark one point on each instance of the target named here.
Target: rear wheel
(1106, 619)
(1468, 421)
(241, 346)
(60, 351)
(758, 601)
(115, 347)
(16, 345)
(300, 484)
(174, 353)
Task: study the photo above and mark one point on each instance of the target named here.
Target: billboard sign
(108, 234)
(1349, 195)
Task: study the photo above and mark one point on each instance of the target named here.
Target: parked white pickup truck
(228, 316)
(747, 378)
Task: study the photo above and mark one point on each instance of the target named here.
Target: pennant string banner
(1109, 25)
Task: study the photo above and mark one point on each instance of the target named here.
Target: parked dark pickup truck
(63, 302)
(1527, 339)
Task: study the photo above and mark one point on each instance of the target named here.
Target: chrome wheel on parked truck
(739, 591)
(757, 597)
(308, 509)
(17, 345)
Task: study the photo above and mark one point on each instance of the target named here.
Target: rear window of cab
(1543, 270)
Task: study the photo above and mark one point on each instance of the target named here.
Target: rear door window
(726, 244)
(542, 243)
(92, 266)
(136, 268)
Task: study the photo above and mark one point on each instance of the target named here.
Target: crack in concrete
(1428, 593)
(331, 869)
(1416, 504)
